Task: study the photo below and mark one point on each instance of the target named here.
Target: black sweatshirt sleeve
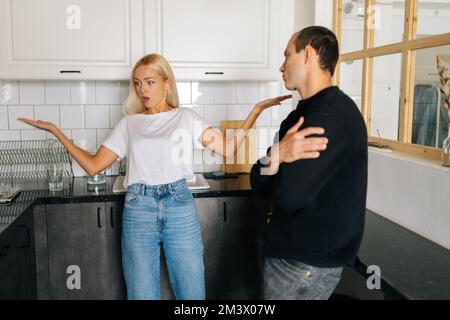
(261, 184)
(297, 183)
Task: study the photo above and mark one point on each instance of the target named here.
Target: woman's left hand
(263, 105)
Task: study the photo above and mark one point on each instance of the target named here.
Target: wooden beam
(407, 75)
(414, 44)
(337, 29)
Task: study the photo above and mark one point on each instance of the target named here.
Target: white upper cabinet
(69, 39)
(102, 39)
(217, 39)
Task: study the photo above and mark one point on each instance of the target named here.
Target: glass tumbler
(55, 176)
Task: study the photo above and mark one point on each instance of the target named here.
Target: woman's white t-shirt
(159, 146)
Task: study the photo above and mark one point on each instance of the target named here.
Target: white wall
(412, 193)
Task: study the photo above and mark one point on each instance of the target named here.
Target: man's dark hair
(325, 43)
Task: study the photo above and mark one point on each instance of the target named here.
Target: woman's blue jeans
(164, 214)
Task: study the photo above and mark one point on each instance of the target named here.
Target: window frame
(407, 47)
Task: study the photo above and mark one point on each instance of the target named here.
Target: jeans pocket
(132, 195)
(183, 195)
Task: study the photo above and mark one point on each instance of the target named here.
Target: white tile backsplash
(47, 113)
(202, 92)
(57, 92)
(184, 92)
(115, 114)
(15, 112)
(225, 93)
(85, 139)
(10, 135)
(87, 111)
(270, 89)
(3, 118)
(265, 118)
(107, 92)
(215, 113)
(248, 92)
(102, 135)
(66, 132)
(96, 116)
(33, 135)
(238, 112)
(82, 92)
(72, 117)
(9, 92)
(124, 90)
(31, 92)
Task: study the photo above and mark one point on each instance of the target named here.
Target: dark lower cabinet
(77, 255)
(83, 250)
(17, 260)
(8, 272)
(241, 229)
(117, 290)
(73, 251)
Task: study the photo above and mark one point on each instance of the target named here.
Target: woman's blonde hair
(133, 104)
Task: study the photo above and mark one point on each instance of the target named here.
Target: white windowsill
(414, 158)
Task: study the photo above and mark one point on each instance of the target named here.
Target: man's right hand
(296, 145)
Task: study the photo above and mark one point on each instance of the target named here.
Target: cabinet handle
(28, 237)
(69, 71)
(224, 212)
(111, 213)
(99, 222)
(217, 73)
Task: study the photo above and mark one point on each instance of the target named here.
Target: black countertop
(76, 190)
(412, 265)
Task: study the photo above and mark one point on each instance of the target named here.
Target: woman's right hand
(44, 125)
(263, 105)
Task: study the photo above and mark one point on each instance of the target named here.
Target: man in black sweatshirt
(318, 196)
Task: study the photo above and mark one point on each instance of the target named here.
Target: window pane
(430, 117)
(353, 12)
(388, 22)
(351, 79)
(433, 17)
(386, 96)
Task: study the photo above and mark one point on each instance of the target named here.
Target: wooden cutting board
(246, 155)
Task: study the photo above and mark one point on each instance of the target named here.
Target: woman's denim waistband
(161, 189)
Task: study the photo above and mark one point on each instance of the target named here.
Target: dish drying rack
(29, 159)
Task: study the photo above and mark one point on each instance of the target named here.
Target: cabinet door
(117, 289)
(240, 255)
(207, 212)
(78, 261)
(8, 270)
(24, 252)
(17, 263)
(69, 40)
(219, 40)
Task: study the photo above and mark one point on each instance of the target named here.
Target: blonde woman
(159, 208)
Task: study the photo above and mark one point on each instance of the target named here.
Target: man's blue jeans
(286, 279)
(164, 214)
